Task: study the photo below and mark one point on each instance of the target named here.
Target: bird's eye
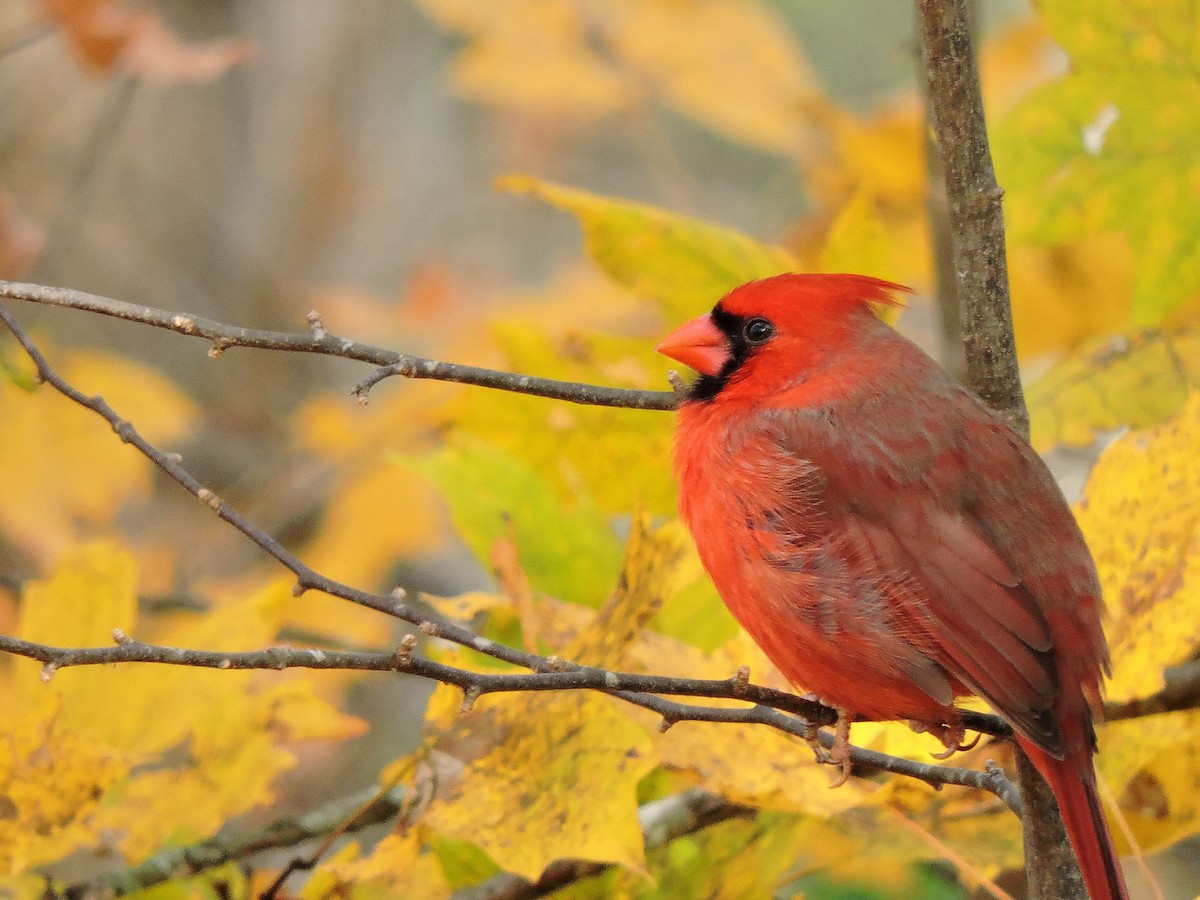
(756, 331)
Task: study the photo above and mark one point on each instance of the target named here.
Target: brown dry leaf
(514, 584)
(103, 36)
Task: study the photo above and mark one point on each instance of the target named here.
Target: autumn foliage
(567, 511)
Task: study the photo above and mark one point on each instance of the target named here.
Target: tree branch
(345, 816)
(776, 709)
(320, 341)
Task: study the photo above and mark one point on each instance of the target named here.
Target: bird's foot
(951, 735)
(839, 754)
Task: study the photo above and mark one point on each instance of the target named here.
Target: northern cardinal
(888, 541)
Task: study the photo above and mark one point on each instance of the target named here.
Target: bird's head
(775, 326)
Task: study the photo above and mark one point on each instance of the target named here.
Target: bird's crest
(800, 297)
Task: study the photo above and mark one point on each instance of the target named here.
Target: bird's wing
(912, 502)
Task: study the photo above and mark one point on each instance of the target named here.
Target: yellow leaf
(107, 740)
(92, 592)
(650, 572)
(51, 781)
(741, 859)
(1152, 766)
(683, 264)
(731, 66)
(53, 449)
(398, 866)
(531, 56)
(860, 241)
(880, 155)
(572, 759)
(1065, 294)
(1136, 380)
(776, 770)
(382, 513)
(605, 453)
(1141, 516)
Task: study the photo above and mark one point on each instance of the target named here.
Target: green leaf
(1111, 146)
(567, 547)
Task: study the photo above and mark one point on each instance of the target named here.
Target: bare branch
(634, 688)
(1182, 691)
(318, 340)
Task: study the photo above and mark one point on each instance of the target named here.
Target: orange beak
(699, 344)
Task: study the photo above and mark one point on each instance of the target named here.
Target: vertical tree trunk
(981, 275)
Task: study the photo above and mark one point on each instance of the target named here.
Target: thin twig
(318, 340)
(1182, 691)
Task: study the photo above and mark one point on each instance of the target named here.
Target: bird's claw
(951, 735)
(839, 754)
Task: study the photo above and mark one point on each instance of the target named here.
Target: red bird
(887, 540)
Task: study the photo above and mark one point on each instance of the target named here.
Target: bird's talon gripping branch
(951, 735)
(840, 754)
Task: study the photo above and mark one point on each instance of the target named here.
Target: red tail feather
(1073, 781)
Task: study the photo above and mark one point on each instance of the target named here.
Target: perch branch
(318, 340)
(634, 688)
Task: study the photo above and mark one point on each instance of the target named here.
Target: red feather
(886, 539)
